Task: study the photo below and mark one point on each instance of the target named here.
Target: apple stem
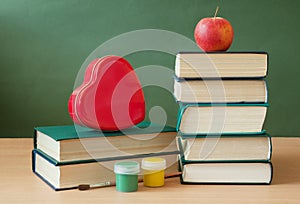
(217, 9)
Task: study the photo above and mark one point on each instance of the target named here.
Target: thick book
(64, 176)
(231, 148)
(221, 118)
(226, 172)
(71, 143)
(221, 64)
(220, 91)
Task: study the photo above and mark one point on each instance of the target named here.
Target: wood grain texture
(19, 185)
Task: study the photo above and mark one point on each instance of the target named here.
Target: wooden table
(20, 185)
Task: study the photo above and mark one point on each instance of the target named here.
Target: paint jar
(154, 171)
(127, 176)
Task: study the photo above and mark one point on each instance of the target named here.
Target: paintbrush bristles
(84, 187)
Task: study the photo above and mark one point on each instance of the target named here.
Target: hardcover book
(231, 148)
(221, 64)
(71, 143)
(221, 91)
(226, 172)
(66, 175)
(221, 118)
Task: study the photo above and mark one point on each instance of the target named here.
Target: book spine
(181, 110)
(272, 172)
(35, 138)
(268, 58)
(271, 147)
(267, 91)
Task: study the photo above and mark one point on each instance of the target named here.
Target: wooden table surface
(19, 185)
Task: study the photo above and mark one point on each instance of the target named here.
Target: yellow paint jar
(154, 171)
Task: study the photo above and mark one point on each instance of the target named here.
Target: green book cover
(67, 132)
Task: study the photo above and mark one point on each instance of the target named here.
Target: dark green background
(44, 43)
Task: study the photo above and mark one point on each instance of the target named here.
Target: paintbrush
(83, 187)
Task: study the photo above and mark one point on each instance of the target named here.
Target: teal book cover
(67, 132)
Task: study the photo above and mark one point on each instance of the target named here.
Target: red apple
(213, 34)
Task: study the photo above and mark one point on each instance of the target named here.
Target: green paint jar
(127, 176)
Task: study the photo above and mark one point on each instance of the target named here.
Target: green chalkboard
(44, 43)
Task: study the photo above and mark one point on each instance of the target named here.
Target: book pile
(223, 104)
(68, 156)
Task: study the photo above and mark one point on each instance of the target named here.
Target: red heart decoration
(110, 97)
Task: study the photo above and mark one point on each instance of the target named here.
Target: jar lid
(154, 163)
(127, 167)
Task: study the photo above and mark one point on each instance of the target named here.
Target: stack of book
(223, 104)
(68, 156)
